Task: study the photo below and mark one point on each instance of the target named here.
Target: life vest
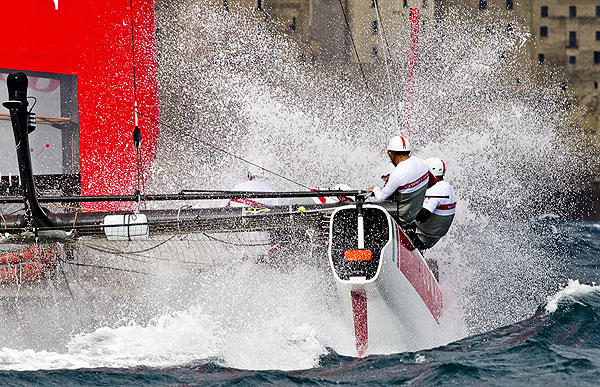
(442, 213)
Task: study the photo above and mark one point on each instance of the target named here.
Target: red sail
(92, 40)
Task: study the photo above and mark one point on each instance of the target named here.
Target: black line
(206, 143)
(235, 244)
(383, 31)
(354, 45)
(133, 51)
(104, 267)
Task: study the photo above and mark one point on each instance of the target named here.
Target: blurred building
(565, 34)
(367, 18)
(323, 26)
(565, 37)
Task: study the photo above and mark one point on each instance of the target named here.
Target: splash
(227, 79)
(234, 320)
(496, 119)
(573, 289)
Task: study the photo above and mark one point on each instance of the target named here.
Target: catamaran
(388, 294)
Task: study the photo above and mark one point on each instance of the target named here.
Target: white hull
(401, 296)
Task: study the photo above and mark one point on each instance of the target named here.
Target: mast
(17, 105)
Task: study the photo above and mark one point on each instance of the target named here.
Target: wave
(571, 292)
(560, 343)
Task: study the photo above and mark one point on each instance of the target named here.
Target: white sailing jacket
(440, 206)
(409, 176)
(442, 214)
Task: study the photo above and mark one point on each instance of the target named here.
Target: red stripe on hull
(361, 329)
(247, 202)
(420, 277)
(398, 256)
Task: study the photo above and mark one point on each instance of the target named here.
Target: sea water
(558, 342)
(521, 304)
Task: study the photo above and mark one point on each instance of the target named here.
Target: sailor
(435, 218)
(407, 182)
(256, 183)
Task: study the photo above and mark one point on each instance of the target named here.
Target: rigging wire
(382, 29)
(385, 59)
(137, 134)
(62, 270)
(133, 55)
(210, 145)
(102, 267)
(356, 52)
(19, 210)
(115, 250)
(71, 207)
(131, 256)
(234, 243)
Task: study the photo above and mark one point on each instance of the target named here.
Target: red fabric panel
(92, 39)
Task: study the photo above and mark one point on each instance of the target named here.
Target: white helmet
(342, 187)
(437, 166)
(399, 144)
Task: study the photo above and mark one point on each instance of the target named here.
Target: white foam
(179, 339)
(573, 288)
(257, 319)
(172, 339)
(549, 216)
(420, 358)
(251, 318)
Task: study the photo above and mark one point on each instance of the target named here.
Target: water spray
(412, 67)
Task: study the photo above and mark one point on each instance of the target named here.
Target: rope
(235, 244)
(44, 120)
(382, 29)
(138, 171)
(143, 250)
(102, 267)
(62, 270)
(133, 52)
(210, 145)
(129, 255)
(137, 168)
(137, 151)
(71, 207)
(356, 51)
(20, 209)
(387, 69)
